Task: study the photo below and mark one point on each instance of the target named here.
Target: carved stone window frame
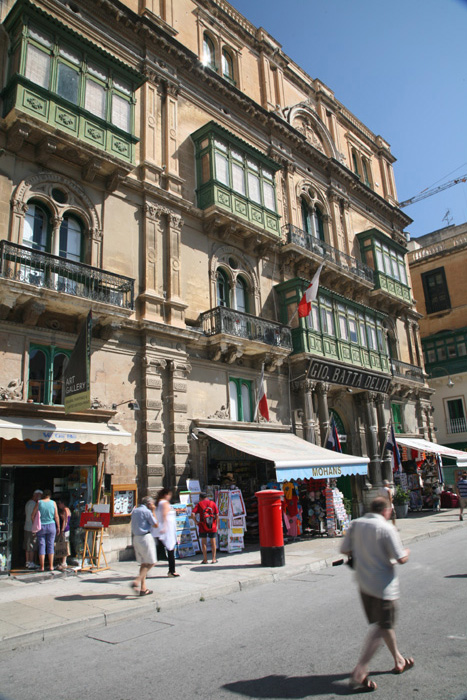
(221, 260)
(39, 189)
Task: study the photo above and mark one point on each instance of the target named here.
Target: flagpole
(388, 427)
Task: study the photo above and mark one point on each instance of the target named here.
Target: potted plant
(401, 502)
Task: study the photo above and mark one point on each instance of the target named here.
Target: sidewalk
(36, 607)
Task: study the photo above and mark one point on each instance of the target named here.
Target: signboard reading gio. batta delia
(77, 372)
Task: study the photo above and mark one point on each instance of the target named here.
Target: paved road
(294, 639)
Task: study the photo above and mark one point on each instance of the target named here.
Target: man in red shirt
(208, 519)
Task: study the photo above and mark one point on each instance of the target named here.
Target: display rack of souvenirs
(185, 547)
(415, 485)
(251, 518)
(232, 520)
(342, 518)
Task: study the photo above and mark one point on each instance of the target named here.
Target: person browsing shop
(461, 490)
(50, 527)
(167, 533)
(143, 520)
(208, 519)
(30, 537)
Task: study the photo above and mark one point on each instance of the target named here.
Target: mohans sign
(348, 376)
(77, 372)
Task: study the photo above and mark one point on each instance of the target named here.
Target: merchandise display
(232, 522)
(187, 535)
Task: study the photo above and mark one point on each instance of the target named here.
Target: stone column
(310, 433)
(371, 425)
(386, 464)
(416, 343)
(409, 340)
(323, 411)
(18, 212)
(56, 224)
(177, 404)
(153, 369)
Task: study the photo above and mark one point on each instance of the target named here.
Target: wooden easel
(94, 550)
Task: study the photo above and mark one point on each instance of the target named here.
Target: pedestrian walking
(386, 492)
(167, 532)
(374, 546)
(143, 519)
(461, 490)
(30, 537)
(64, 514)
(208, 519)
(50, 527)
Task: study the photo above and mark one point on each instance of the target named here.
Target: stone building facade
(437, 262)
(166, 165)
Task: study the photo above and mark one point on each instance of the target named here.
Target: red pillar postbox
(271, 539)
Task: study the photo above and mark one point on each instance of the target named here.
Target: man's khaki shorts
(30, 541)
(379, 612)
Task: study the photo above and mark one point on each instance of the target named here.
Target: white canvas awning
(62, 431)
(293, 457)
(427, 446)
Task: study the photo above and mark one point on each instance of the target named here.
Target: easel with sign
(94, 523)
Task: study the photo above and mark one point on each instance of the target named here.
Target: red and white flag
(311, 292)
(262, 404)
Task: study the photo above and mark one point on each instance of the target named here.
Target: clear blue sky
(400, 66)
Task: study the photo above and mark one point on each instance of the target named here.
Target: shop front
(423, 474)
(62, 456)
(252, 460)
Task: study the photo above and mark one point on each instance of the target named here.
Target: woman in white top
(167, 531)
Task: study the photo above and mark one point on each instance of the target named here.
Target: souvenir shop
(58, 455)
(308, 474)
(429, 472)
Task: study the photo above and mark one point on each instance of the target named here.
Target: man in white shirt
(375, 547)
(30, 539)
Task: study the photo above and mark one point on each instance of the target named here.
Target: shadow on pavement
(456, 576)
(97, 596)
(292, 686)
(212, 567)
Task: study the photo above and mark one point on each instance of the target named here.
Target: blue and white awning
(293, 457)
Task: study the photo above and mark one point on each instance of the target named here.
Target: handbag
(36, 523)
(62, 547)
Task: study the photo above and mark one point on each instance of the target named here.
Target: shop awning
(427, 446)
(62, 431)
(293, 457)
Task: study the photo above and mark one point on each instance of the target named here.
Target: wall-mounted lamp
(450, 383)
(133, 405)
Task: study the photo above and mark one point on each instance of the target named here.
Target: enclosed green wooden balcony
(337, 329)
(387, 259)
(236, 178)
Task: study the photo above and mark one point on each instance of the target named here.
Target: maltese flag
(262, 400)
(304, 307)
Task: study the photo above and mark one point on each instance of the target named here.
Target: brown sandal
(365, 686)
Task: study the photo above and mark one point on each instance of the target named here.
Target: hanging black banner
(76, 375)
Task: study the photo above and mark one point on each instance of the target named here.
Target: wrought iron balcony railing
(457, 425)
(52, 272)
(305, 240)
(242, 325)
(407, 371)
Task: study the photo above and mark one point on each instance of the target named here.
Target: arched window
(240, 393)
(227, 65)
(209, 52)
(241, 295)
(356, 169)
(312, 220)
(223, 296)
(37, 376)
(36, 228)
(71, 239)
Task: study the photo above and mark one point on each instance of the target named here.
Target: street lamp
(450, 383)
(133, 405)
